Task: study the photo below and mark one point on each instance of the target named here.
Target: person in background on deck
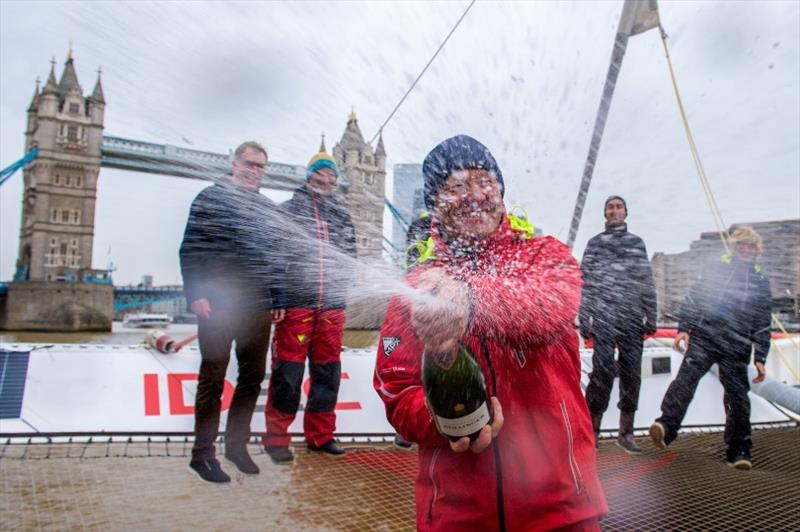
(318, 276)
(725, 320)
(618, 307)
(231, 277)
(511, 299)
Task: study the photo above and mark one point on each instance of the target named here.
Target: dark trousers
(733, 376)
(250, 330)
(629, 341)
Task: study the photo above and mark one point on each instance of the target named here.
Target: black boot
(240, 458)
(625, 439)
(331, 448)
(596, 420)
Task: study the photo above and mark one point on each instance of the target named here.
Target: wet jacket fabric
(539, 473)
(321, 252)
(230, 252)
(730, 304)
(618, 285)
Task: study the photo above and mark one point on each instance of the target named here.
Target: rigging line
(693, 149)
(414, 84)
(394, 248)
(715, 211)
(780, 351)
(793, 338)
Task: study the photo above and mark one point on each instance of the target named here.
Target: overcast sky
(524, 78)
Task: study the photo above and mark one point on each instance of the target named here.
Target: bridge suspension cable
(391, 246)
(8, 171)
(397, 216)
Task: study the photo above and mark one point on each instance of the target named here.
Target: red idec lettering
(152, 404)
(177, 401)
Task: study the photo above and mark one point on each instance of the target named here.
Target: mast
(637, 17)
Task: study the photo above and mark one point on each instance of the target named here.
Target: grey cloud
(282, 72)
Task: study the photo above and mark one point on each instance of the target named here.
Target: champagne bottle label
(466, 425)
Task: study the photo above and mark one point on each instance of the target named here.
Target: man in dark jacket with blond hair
(725, 320)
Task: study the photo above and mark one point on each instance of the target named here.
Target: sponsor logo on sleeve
(390, 343)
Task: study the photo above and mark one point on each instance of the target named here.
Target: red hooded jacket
(539, 473)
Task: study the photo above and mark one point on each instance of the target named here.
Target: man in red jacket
(510, 299)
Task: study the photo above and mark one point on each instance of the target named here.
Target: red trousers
(317, 335)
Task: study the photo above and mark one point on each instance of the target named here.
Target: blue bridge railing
(140, 296)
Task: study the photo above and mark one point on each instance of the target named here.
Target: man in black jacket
(618, 306)
(725, 318)
(318, 276)
(230, 276)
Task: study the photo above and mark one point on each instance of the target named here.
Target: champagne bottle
(456, 393)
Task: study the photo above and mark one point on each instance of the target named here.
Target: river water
(120, 335)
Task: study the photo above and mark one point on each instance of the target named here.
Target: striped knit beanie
(320, 161)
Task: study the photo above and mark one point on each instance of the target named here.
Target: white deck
(71, 388)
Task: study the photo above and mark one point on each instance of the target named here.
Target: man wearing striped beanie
(319, 273)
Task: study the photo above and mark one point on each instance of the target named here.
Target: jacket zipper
(573, 464)
(320, 237)
(431, 467)
(498, 467)
(746, 289)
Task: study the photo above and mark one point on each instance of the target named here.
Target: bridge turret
(97, 102)
(33, 109)
(70, 91)
(364, 195)
(96, 108)
(48, 102)
(35, 100)
(380, 152)
(69, 78)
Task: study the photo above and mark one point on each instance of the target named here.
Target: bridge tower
(58, 208)
(365, 171)
(60, 185)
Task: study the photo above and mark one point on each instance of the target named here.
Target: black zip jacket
(618, 285)
(230, 249)
(322, 256)
(730, 304)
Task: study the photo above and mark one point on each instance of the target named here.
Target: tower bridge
(55, 286)
(133, 297)
(165, 159)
